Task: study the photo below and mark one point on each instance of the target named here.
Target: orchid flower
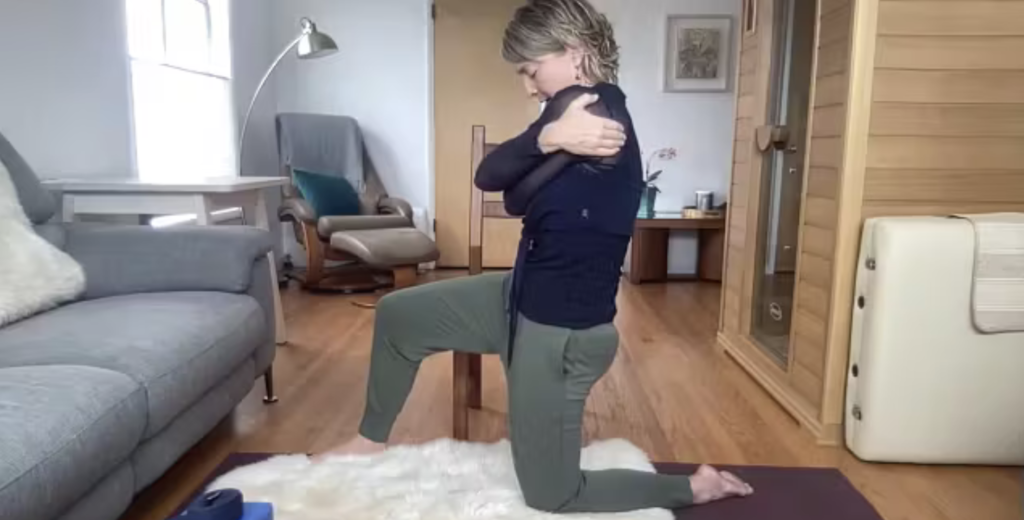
(664, 154)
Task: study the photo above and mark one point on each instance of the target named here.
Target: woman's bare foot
(709, 485)
(357, 445)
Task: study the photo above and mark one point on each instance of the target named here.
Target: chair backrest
(328, 144)
(480, 207)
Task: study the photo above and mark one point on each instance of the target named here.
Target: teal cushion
(327, 194)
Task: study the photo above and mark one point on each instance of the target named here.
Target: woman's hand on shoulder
(579, 132)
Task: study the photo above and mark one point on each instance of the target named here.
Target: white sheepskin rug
(34, 275)
(440, 480)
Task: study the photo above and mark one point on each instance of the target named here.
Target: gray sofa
(101, 396)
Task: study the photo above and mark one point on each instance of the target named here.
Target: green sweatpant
(551, 374)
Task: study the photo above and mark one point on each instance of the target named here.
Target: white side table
(201, 197)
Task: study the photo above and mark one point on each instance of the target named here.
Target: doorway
(473, 86)
(782, 143)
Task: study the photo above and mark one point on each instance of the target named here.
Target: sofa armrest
(133, 259)
(394, 206)
(297, 209)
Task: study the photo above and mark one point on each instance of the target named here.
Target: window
(181, 89)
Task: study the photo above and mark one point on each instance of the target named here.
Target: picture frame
(698, 53)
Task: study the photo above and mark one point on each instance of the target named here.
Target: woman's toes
(733, 485)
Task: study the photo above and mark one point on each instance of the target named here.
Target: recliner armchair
(333, 145)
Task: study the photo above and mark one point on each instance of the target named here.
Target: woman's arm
(511, 161)
(517, 198)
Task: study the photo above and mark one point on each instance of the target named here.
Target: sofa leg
(268, 382)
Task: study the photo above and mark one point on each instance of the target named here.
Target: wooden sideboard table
(649, 256)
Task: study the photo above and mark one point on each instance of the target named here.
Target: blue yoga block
(257, 511)
(250, 511)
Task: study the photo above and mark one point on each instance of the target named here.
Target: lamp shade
(314, 44)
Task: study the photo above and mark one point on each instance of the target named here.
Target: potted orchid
(651, 190)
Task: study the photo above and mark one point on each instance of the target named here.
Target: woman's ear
(577, 57)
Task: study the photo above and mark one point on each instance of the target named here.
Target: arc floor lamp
(310, 44)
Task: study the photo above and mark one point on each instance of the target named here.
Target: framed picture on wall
(698, 52)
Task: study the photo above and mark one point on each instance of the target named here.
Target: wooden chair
(467, 369)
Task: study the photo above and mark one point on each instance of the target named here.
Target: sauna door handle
(772, 137)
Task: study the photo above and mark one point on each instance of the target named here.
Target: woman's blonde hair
(549, 26)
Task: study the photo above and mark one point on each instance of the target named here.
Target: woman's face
(543, 77)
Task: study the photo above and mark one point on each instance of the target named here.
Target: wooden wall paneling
(810, 354)
(820, 212)
(757, 111)
(950, 18)
(951, 186)
(949, 86)
(948, 110)
(832, 58)
(806, 384)
(828, 121)
(885, 208)
(743, 153)
(827, 152)
(744, 130)
(835, 25)
(746, 75)
(944, 53)
(828, 7)
(818, 241)
(815, 270)
(945, 153)
(831, 90)
(823, 182)
(766, 372)
(864, 30)
(815, 299)
(747, 83)
(939, 120)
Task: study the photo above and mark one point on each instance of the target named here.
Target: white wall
(699, 125)
(64, 89)
(381, 77)
(253, 49)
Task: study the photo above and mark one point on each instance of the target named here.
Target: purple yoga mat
(780, 493)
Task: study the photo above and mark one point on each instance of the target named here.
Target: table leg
(262, 217)
(649, 259)
(203, 210)
(711, 254)
(67, 209)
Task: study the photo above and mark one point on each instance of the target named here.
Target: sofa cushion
(176, 345)
(62, 429)
(38, 201)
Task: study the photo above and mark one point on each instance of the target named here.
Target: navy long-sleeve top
(578, 216)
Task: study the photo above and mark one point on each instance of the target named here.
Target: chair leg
(268, 382)
(460, 403)
(404, 276)
(475, 382)
(314, 256)
(467, 390)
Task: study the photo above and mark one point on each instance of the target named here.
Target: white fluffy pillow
(34, 275)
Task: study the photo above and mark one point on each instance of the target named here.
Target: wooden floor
(670, 392)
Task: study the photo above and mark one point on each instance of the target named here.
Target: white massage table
(924, 386)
